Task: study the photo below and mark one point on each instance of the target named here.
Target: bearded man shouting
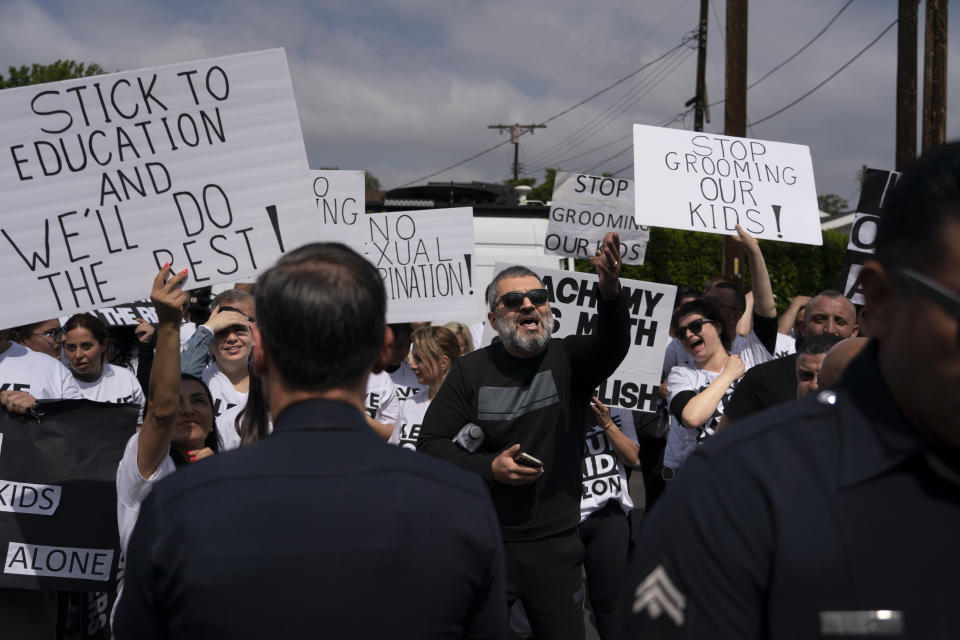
(515, 413)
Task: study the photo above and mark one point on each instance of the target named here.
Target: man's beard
(509, 331)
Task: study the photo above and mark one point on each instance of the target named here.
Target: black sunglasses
(695, 326)
(932, 290)
(514, 299)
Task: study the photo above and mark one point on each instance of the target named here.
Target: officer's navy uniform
(828, 516)
(319, 531)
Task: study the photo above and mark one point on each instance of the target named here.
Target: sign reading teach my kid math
(106, 178)
(585, 208)
(341, 202)
(711, 182)
(425, 259)
(573, 300)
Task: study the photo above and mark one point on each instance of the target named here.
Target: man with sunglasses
(836, 514)
(529, 395)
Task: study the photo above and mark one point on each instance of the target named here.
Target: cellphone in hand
(527, 460)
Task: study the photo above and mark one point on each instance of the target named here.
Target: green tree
(371, 182)
(39, 73)
(833, 204)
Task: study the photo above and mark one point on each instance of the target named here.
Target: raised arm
(699, 408)
(763, 304)
(153, 442)
(789, 317)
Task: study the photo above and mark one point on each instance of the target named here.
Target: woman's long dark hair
(253, 421)
(213, 438)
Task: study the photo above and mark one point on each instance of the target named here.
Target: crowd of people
(342, 511)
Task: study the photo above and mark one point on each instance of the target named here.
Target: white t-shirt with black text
(116, 385)
(786, 345)
(681, 441)
(604, 476)
(43, 377)
(405, 381)
(406, 429)
(227, 403)
(381, 400)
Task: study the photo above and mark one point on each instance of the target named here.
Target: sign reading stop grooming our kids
(106, 178)
(711, 182)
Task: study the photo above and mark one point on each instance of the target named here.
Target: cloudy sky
(405, 88)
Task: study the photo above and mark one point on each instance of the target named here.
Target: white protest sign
(341, 203)
(425, 259)
(875, 187)
(711, 182)
(584, 208)
(573, 300)
(107, 178)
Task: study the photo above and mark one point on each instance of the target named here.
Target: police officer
(837, 514)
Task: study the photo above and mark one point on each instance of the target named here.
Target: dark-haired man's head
(321, 321)
(913, 293)
(829, 312)
(732, 303)
(520, 311)
(810, 361)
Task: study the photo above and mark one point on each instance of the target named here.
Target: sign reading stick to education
(106, 178)
(711, 182)
(876, 186)
(341, 202)
(573, 300)
(425, 259)
(584, 208)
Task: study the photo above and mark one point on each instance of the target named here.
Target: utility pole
(700, 99)
(516, 130)
(906, 83)
(935, 75)
(735, 110)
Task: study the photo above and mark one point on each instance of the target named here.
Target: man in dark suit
(321, 530)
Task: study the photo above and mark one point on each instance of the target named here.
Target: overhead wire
(553, 117)
(828, 78)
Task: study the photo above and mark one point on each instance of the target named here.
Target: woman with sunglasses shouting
(696, 395)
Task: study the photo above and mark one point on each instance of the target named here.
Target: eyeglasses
(514, 299)
(932, 290)
(695, 327)
(53, 334)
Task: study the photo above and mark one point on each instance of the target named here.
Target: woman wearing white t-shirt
(432, 354)
(178, 426)
(228, 377)
(86, 344)
(697, 394)
(605, 504)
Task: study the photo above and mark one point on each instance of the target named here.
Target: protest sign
(106, 178)
(425, 259)
(875, 186)
(341, 203)
(573, 299)
(58, 498)
(585, 208)
(711, 182)
(124, 315)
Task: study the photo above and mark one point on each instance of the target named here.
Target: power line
(804, 47)
(828, 78)
(603, 162)
(615, 110)
(552, 118)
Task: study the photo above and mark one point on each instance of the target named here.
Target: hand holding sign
(17, 401)
(607, 263)
(168, 296)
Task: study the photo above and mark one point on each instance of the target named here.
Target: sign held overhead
(108, 177)
(584, 208)
(711, 182)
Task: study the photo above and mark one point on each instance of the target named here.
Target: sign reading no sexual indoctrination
(710, 182)
(107, 178)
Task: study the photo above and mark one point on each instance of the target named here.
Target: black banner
(876, 186)
(58, 498)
